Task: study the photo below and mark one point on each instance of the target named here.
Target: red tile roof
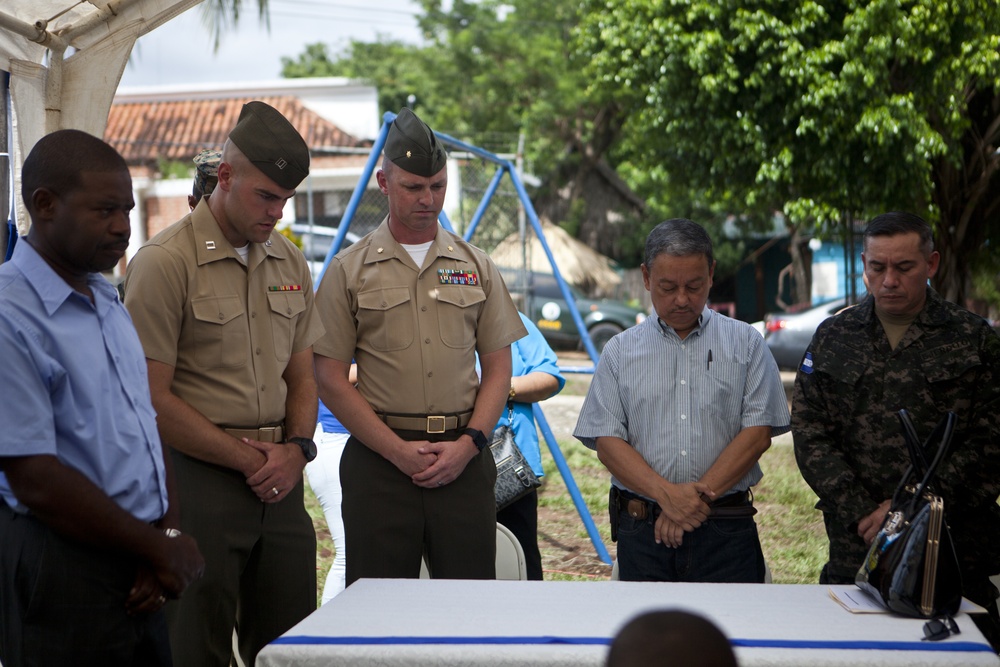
(144, 132)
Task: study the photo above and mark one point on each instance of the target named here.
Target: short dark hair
(685, 638)
(58, 159)
(678, 237)
(900, 222)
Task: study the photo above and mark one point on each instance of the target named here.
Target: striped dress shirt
(680, 403)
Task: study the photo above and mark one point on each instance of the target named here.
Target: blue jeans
(718, 551)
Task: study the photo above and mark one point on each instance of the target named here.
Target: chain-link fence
(470, 177)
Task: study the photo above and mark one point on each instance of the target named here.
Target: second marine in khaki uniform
(224, 308)
(412, 304)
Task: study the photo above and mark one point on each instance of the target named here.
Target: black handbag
(912, 566)
(515, 478)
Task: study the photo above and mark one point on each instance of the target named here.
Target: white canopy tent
(65, 59)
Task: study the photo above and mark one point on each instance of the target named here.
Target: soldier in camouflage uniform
(903, 346)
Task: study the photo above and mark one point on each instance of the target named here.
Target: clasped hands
(433, 464)
(281, 471)
(683, 507)
(174, 566)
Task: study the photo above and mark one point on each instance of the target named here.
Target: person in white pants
(324, 479)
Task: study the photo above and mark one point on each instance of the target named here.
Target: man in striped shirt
(680, 409)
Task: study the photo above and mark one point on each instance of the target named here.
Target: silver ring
(275, 490)
(161, 600)
(440, 483)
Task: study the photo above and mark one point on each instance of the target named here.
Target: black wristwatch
(307, 446)
(478, 439)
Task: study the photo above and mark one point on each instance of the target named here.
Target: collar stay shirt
(74, 385)
(414, 332)
(228, 327)
(680, 403)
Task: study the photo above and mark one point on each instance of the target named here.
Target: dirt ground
(567, 551)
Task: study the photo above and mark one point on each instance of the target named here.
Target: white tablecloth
(385, 622)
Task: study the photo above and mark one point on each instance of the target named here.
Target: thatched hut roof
(585, 268)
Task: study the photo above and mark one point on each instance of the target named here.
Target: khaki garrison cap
(271, 143)
(412, 146)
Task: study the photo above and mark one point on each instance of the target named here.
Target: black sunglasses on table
(940, 628)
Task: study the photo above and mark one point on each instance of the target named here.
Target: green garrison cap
(412, 145)
(271, 143)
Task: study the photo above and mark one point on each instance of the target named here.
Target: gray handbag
(515, 478)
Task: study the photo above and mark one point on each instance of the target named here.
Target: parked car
(545, 305)
(788, 334)
(317, 239)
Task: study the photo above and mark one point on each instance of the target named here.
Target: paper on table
(857, 601)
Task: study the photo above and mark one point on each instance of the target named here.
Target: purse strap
(943, 432)
(913, 444)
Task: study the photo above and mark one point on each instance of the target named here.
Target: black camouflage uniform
(848, 440)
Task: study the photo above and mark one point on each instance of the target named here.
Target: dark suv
(545, 306)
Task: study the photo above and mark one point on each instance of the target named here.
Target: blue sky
(180, 51)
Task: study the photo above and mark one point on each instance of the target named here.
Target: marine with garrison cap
(413, 303)
(224, 309)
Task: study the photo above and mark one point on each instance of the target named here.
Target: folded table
(411, 622)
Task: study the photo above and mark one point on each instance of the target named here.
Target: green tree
(221, 15)
(491, 71)
(825, 111)
(397, 69)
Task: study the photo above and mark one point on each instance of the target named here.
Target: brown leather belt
(427, 424)
(274, 433)
(737, 505)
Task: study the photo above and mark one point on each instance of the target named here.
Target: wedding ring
(275, 490)
(440, 483)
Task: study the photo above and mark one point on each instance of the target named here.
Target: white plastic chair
(510, 563)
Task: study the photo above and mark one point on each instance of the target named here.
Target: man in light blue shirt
(680, 409)
(89, 550)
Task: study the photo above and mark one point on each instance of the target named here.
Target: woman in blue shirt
(534, 377)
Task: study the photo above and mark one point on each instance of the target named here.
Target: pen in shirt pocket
(708, 366)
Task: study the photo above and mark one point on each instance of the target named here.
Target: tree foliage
(491, 71)
(822, 110)
(827, 111)
(399, 71)
(222, 15)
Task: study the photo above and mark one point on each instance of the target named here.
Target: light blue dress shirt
(680, 403)
(74, 385)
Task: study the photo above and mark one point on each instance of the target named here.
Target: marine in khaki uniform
(224, 309)
(413, 304)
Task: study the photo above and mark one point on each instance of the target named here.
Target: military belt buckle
(436, 424)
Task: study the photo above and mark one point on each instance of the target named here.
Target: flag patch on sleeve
(807, 363)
